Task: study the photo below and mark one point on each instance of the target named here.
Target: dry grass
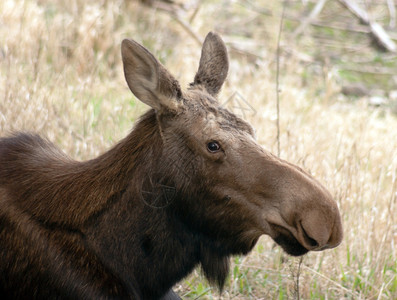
(61, 76)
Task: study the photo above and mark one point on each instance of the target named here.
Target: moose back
(189, 186)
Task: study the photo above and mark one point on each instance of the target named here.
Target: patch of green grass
(198, 290)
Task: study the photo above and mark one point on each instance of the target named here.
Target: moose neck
(140, 242)
(128, 161)
(80, 190)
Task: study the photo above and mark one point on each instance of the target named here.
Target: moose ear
(214, 64)
(148, 80)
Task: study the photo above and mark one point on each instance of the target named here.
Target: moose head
(227, 186)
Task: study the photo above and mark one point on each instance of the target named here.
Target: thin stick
(313, 14)
(392, 13)
(380, 35)
(339, 26)
(335, 283)
(176, 15)
(370, 70)
(195, 12)
(277, 80)
(298, 274)
(185, 25)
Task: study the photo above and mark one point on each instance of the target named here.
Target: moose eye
(213, 146)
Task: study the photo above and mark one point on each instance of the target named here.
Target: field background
(61, 76)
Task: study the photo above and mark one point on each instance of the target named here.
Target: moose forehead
(200, 104)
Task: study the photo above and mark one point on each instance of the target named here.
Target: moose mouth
(288, 242)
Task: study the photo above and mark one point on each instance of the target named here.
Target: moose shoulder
(188, 186)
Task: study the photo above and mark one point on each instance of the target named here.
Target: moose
(189, 186)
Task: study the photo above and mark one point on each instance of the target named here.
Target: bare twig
(326, 42)
(371, 70)
(361, 14)
(297, 278)
(392, 13)
(313, 14)
(200, 40)
(185, 25)
(278, 78)
(380, 35)
(176, 15)
(249, 5)
(339, 26)
(195, 12)
(174, 11)
(333, 282)
(249, 54)
(162, 5)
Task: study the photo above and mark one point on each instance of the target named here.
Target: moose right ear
(214, 64)
(148, 80)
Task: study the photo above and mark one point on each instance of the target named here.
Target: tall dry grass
(61, 76)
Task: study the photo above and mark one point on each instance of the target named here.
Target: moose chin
(188, 187)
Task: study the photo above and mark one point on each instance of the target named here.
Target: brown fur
(137, 219)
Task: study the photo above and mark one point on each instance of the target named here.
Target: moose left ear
(214, 64)
(148, 79)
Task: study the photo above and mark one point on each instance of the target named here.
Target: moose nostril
(309, 240)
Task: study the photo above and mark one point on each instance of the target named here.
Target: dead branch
(251, 6)
(195, 12)
(330, 43)
(185, 25)
(356, 10)
(392, 13)
(382, 37)
(377, 31)
(370, 70)
(253, 56)
(278, 78)
(338, 26)
(313, 14)
(343, 27)
(176, 13)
